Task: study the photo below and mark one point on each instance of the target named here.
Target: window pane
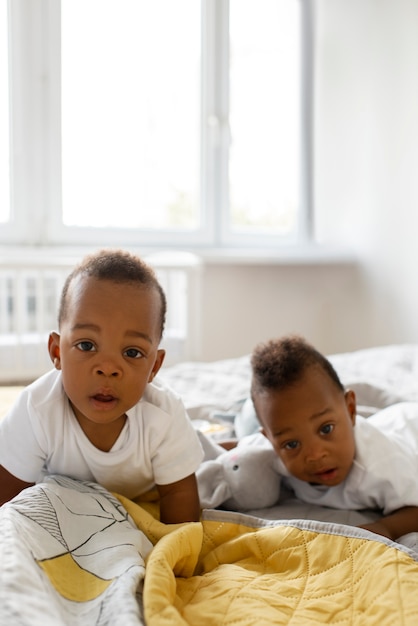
(131, 113)
(4, 118)
(264, 115)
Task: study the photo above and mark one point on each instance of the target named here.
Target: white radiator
(29, 298)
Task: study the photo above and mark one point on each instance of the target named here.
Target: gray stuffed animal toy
(240, 479)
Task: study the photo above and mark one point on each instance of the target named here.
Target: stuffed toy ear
(212, 484)
(211, 449)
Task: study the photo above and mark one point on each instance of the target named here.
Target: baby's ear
(159, 360)
(263, 432)
(54, 349)
(350, 400)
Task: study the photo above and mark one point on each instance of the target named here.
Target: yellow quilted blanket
(72, 553)
(235, 570)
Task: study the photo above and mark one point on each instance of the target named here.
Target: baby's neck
(102, 436)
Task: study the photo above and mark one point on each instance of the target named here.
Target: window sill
(308, 254)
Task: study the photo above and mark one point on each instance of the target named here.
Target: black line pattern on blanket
(88, 487)
(39, 508)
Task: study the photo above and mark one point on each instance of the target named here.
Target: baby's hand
(377, 527)
(399, 523)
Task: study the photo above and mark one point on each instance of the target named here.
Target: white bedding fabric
(380, 376)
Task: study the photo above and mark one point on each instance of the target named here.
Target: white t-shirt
(384, 474)
(40, 435)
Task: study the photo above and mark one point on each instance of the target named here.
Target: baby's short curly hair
(279, 363)
(118, 266)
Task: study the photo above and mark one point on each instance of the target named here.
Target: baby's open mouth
(100, 397)
(327, 474)
(104, 400)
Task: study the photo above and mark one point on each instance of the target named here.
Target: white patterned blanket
(70, 554)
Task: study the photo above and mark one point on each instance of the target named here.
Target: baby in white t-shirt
(324, 454)
(100, 415)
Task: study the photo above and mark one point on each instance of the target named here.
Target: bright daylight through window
(265, 115)
(171, 122)
(130, 147)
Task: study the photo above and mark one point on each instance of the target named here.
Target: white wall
(367, 150)
(242, 305)
(366, 183)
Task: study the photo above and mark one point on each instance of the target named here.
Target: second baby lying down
(325, 453)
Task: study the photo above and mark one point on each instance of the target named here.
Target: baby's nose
(315, 452)
(108, 367)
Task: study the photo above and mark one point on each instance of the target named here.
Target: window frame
(34, 48)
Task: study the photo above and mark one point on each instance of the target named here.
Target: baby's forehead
(312, 392)
(83, 289)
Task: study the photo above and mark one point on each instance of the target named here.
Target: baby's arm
(179, 501)
(10, 486)
(397, 524)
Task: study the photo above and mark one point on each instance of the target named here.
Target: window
(169, 123)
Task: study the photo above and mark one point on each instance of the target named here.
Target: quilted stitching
(285, 575)
(234, 570)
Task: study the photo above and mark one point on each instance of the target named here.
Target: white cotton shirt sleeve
(158, 444)
(24, 445)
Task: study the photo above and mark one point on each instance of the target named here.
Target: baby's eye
(291, 445)
(133, 353)
(85, 346)
(327, 429)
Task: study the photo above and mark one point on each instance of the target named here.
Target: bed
(73, 553)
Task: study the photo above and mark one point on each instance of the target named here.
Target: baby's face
(311, 427)
(108, 347)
